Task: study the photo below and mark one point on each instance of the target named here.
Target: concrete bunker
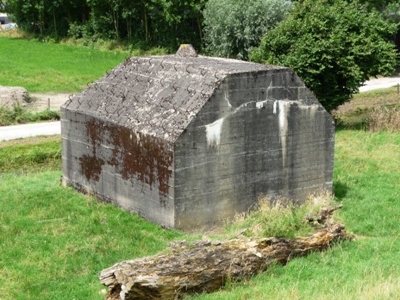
(187, 141)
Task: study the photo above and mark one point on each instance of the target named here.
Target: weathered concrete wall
(189, 141)
(118, 165)
(260, 134)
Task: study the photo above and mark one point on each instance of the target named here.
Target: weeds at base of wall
(279, 218)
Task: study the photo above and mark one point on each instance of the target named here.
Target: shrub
(334, 46)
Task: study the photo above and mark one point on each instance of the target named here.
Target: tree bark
(204, 266)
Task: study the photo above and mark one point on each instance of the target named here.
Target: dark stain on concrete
(147, 158)
(133, 155)
(91, 167)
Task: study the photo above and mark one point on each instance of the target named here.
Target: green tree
(233, 27)
(379, 5)
(390, 10)
(333, 45)
(154, 22)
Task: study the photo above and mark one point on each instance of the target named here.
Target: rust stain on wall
(133, 155)
(149, 159)
(91, 167)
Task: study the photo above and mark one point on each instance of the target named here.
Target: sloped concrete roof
(158, 95)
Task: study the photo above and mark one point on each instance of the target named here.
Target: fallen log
(204, 266)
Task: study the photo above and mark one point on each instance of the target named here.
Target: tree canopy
(158, 22)
(379, 5)
(233, 27)
(333, 45)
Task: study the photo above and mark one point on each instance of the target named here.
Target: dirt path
(44, 101)
(30, 140)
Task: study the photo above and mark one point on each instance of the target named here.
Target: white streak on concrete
(213, 132)
(227, 100)
(282, 116)
(260, 104)
(239, 108)
(283, 127)
(196, 165)
(312, 110)
(274, 107)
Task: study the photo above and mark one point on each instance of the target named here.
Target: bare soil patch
(43, 101)
(30, 141)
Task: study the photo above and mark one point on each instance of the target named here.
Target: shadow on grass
(353, 123)
(340, 190)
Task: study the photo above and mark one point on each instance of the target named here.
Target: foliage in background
(233, 27)
(334, 46)
(20, 115)
(390, 10)
(387, 7)
(160, 22)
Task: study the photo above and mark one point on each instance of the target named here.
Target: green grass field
(367, 183)
(54, 241)
(43, 67)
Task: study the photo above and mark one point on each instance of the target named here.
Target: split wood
(204, 266)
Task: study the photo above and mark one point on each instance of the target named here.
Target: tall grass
(280, 218)
(386, 118)
(22, 159)
(372, 110)
(20, 115)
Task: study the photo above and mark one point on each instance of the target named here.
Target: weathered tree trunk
(204, 266)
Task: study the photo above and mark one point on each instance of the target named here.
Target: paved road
(28, 130)
(380, 83)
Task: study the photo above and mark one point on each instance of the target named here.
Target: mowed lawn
(367, 183)
(54, 241)
(44, 67)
